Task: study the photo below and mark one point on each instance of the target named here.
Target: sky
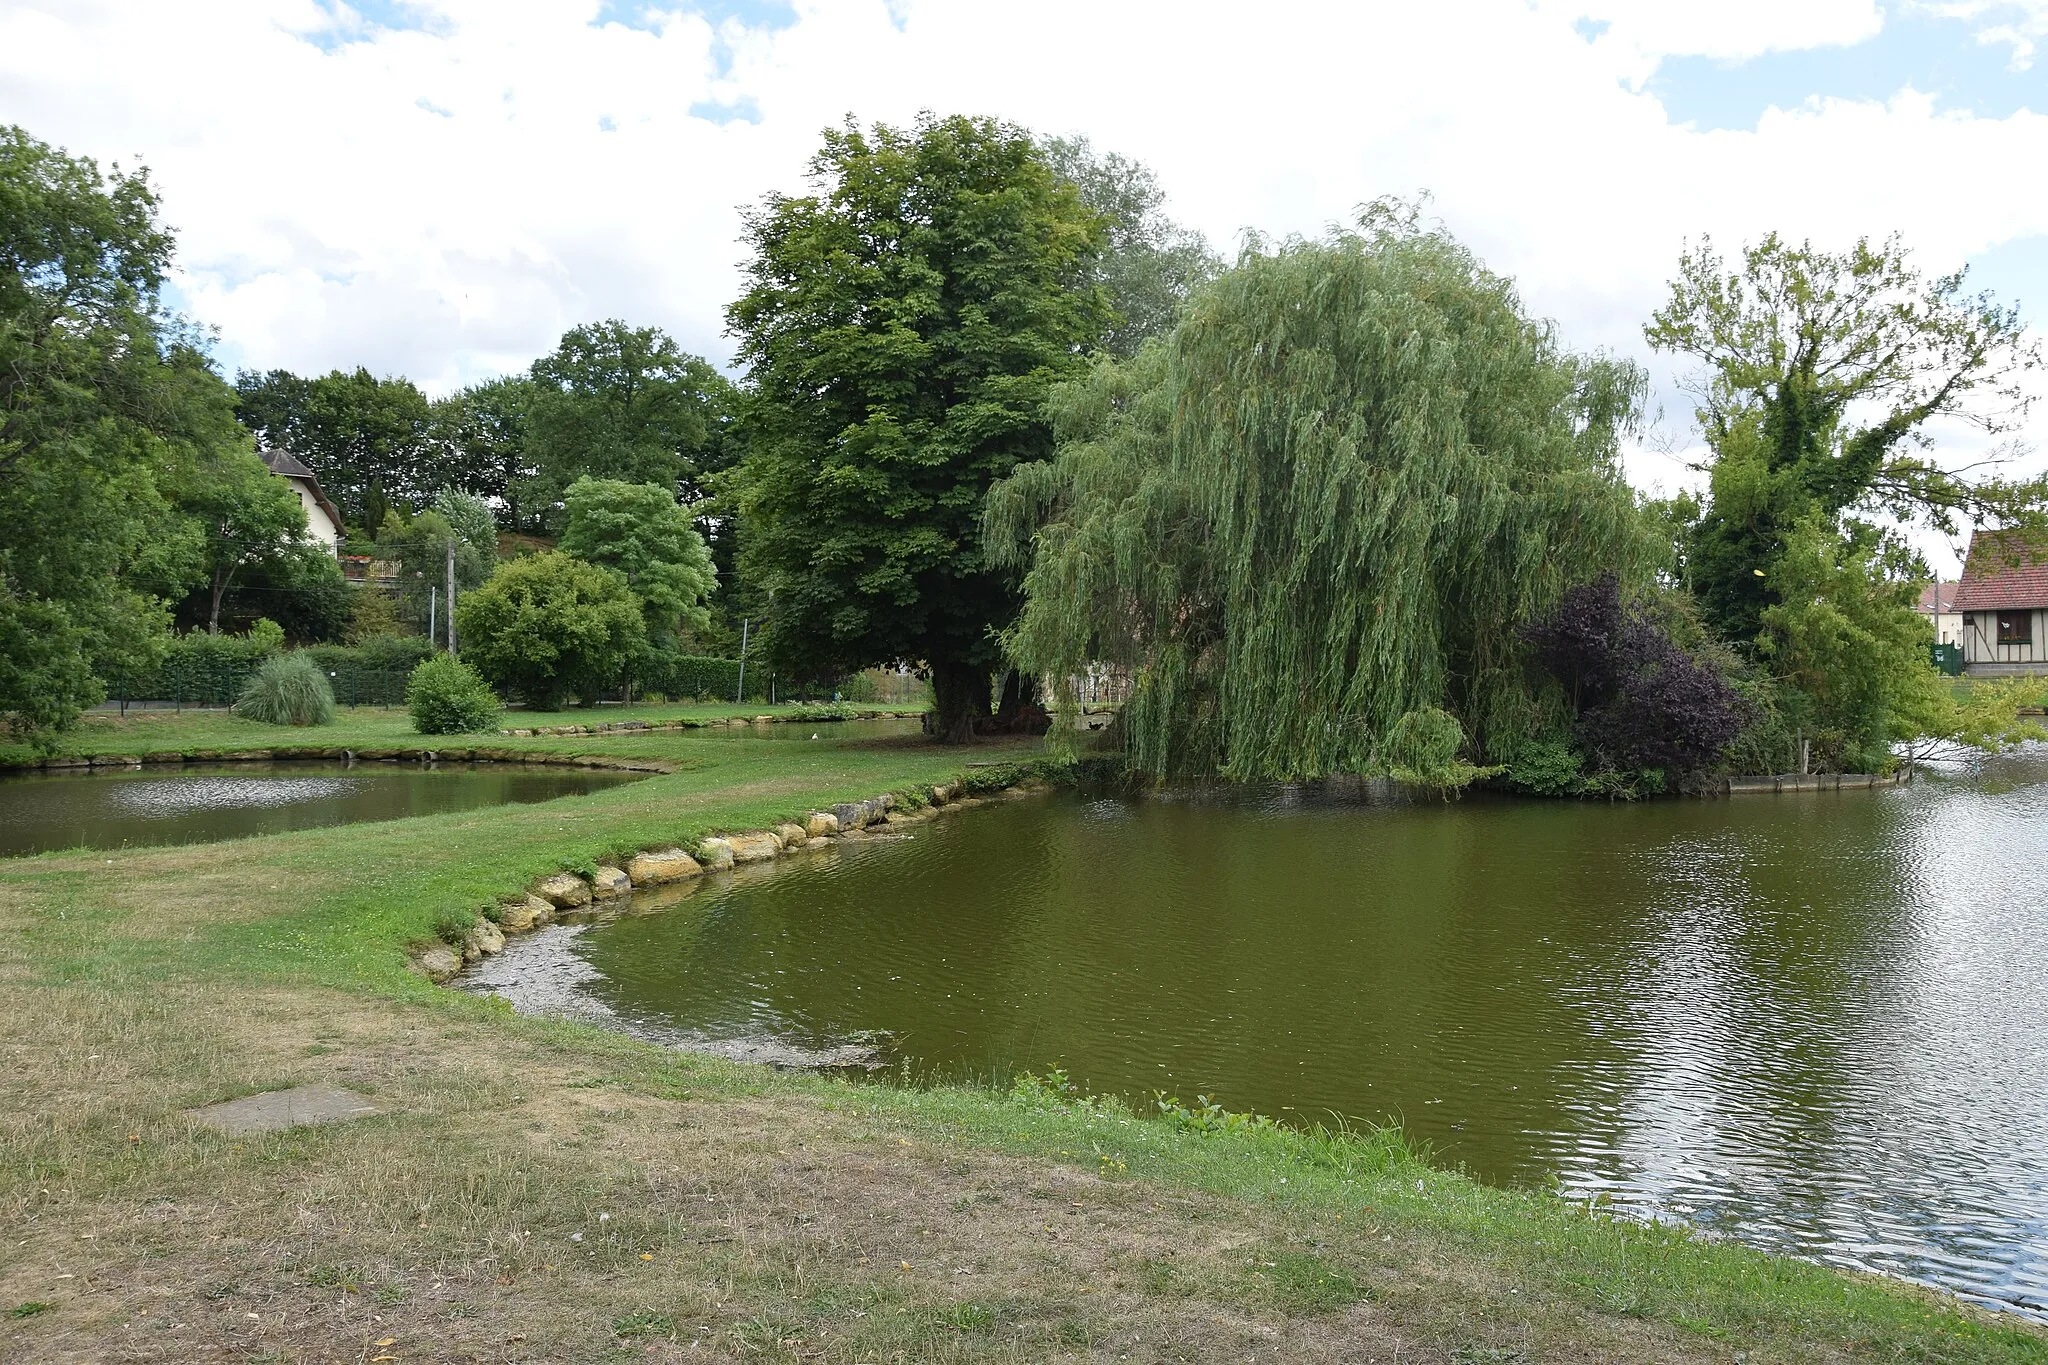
(439, 188)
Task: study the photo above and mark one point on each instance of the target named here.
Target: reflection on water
(203, 802)
(1816, 1022)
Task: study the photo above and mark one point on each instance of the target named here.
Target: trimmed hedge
(212, 670)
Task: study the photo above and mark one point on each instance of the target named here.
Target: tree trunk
(959, 701)
(221, 579)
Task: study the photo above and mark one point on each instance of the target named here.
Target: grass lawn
(538, 1190)
(358, 727)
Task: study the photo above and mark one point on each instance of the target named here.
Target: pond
(1817, 1023)
(198, 803)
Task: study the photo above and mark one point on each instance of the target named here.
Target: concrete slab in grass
(275, 1110)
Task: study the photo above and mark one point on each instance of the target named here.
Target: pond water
(1817, 1023)
(198, 803)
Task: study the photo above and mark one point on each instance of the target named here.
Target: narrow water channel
(1816, 1023)
(201, 802)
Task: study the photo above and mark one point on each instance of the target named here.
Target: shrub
(448, 697)
(289, 689)
(1645, 704)
(548, 625)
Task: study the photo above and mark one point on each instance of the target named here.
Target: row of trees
(610, 402)
(1342, 505)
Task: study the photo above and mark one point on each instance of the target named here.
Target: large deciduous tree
(483, 448)
(902, 325)
(1149, 264)
(1311, 521)
(1819, 375)
(370, 440)
(641, 531)
(109, 413)
(1822, 379)
(626, 403)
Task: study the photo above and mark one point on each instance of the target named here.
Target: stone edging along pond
(569, 892)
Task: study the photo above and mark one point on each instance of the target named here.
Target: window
(2016, 627)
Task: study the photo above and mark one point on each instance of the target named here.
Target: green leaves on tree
(901, 328)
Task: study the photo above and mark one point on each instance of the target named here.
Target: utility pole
(740, 694)
(433, 617)
(451, 597)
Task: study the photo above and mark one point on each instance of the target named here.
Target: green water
(198, 803)
(1817, 1023)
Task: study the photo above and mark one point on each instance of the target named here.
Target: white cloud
(444, 201)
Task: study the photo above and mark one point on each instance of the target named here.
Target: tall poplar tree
(902, 325)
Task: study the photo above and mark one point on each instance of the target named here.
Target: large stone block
(564, 889)
(662, 865)
(823, 824)
(528, 915)
(483, 939)
(715, 854)
(792, 836)
(609, 882)
(440, 962)
(754, 848)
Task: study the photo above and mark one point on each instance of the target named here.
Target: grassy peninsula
(539, 1190)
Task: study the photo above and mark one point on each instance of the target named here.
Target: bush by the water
(448, 697)
(289, 689)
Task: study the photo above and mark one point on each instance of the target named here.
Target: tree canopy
(1821, 376)
(548, 626)
(112, 422)
(901, 327)
(1313, 518)
(639, 530)
(1149, 263)
(626, 403)
(369, 440)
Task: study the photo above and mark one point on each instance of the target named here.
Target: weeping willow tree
(1312, 519)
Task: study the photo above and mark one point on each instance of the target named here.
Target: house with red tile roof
(2003, 600)
(1938, 605)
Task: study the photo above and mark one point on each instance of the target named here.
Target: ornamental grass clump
(289, 689)
(448, 697)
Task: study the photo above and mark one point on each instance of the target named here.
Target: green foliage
(901, 328)
(109, 416)
(373, 613)
(1423, 750)
(639, 530)
(45, 679)
(247, 517)
(1546, 767)
(625, 403)
(1820, 375)
(1150, 264)
(448, 697)
(368, 439)
(1325, 502)
(420, 545)
(1847, 645)
(547, 626)
(694, 675)
(1206, 1117)
(287, 689)
(485, 447)
(469, 517)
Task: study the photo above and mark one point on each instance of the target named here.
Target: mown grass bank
(537, 1190)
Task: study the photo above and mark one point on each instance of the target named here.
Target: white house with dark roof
(2003, 602)
(323, 518)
